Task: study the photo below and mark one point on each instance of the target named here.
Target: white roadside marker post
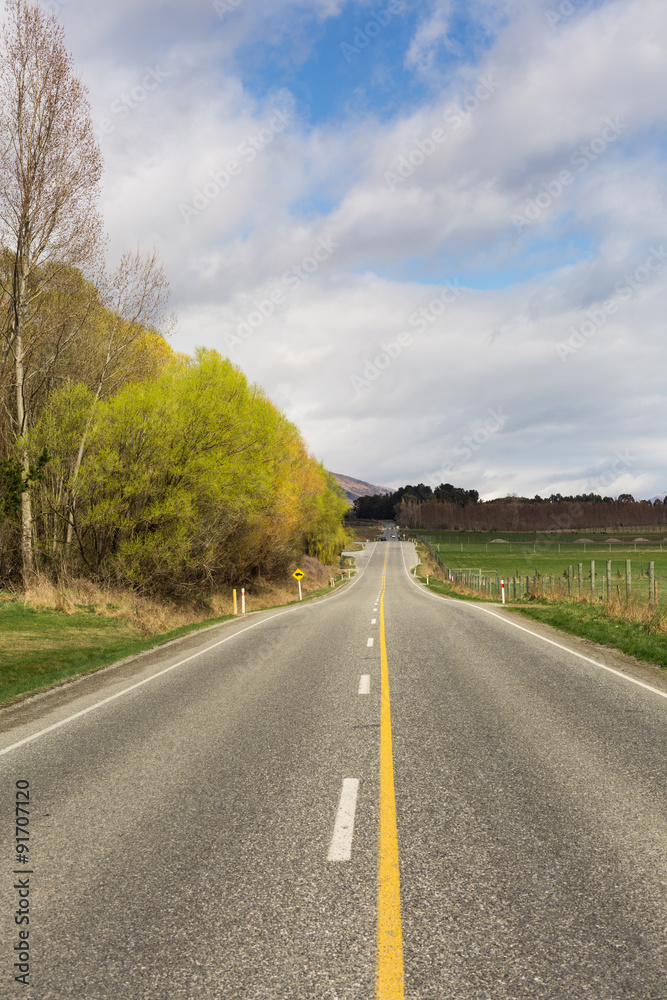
(502, 589)
(242, 600)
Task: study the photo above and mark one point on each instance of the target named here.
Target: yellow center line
(389, 981)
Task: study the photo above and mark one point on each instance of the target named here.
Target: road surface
(207, 820)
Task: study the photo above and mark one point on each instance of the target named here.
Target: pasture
(508, 555)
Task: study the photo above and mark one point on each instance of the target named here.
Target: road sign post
(298, 575)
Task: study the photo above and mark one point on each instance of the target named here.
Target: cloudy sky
(433, 230)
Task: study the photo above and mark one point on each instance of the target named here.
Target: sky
(433, 230)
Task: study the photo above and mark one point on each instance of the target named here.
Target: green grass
(590, 622)
(523, 556)
(446, 589)
(41, 648)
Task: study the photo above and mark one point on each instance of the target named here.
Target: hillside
(357, 488)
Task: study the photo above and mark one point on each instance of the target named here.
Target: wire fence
(590, 581)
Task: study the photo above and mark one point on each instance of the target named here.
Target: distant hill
(660, 496)
(357, 488)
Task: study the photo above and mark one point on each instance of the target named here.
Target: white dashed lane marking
(340, 848)
(365, 684)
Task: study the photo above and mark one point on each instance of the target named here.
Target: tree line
(452, 508)
(119, 458)
(384, 507)
(544, 515)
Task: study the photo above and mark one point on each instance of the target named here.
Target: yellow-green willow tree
(188, 480)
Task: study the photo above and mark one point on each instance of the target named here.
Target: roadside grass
(633, 628)
(599, 624)
(50, 634)
(439, 586)
(40, 648)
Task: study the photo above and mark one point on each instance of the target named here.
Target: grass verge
(633, 629)
(49, 636)
(40, 648)
(599, 624)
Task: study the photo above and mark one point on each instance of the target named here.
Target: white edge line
(558, 645)
(340, 848)
(160, 673)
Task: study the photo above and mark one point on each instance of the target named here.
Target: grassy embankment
(631, 626)
(50, 634)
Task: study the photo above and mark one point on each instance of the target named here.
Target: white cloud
(451, 217)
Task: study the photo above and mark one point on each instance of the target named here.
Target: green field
(520, 554)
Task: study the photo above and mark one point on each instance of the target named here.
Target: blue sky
(354, 63)
(457, 227)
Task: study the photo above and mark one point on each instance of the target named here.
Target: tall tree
(136, 297)
(50, 169)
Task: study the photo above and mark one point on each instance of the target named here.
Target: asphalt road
(192, 836)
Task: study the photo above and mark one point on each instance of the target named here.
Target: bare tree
(136, 296)
(50, 169)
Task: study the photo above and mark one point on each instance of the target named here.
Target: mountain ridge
(354, 488)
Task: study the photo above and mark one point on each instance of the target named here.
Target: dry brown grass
(152, 616)
(363, 532)
(652, 617)
(269, 593)
(77, 595)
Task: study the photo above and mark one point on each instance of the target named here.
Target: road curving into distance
(378, 794)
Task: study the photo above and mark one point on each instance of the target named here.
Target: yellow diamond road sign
(298, 574)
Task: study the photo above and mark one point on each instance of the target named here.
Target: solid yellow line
(389, 981)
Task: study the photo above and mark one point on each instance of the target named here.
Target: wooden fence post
(608, 580)
(581, 580)
(570, 580)
(593, 594)
(651, 583)
(628, 579)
